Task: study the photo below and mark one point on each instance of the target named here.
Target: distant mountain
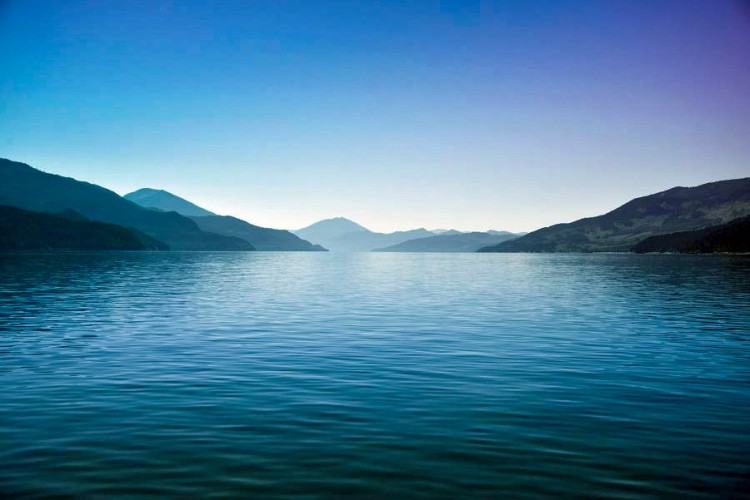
(343, 235)
(365, 242)
(166, 201)
(734, 236)
(449, 242)
(329, 229)
(25, 187)
(455, 231)
(677, 209)
(26, 230)
(445, 231)
(505, 233)
(261, 238)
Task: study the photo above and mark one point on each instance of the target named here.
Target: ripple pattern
(374, 375)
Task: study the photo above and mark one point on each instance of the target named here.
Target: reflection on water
(382, 375)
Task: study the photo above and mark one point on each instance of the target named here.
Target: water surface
(374, 375)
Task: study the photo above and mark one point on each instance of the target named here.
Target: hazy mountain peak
(330, 229)
(342, 234)
(338, 223)
(164, 200)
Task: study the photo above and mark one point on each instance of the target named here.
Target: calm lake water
(374, 375)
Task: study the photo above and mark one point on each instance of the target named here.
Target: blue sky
(462, 114)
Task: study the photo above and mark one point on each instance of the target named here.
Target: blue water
(374, 375)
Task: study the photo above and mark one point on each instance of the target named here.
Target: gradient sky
(461, 114)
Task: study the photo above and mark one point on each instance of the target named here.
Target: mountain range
(39, 210)
(25, 187)
(452, 241)
(673, 210)
(734, 236)
(30, 189)
(68, 230)
(343, 235)
(262, 238)
(166, 202)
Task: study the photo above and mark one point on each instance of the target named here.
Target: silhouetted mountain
(166, 201)
(25, 187)
(343, 235)
(26, 230)
(734, 236)
(447, 242)
(261, 238)
(677, 209)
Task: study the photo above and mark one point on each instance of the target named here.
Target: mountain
(677, 209)
(329, 229)
(504, 233)
(261, 238)
(369, 240)
(734, 236)
(25, 187)
(344, 235)
(449, 242)
(26, 230)
(444, 231)
(166, 201)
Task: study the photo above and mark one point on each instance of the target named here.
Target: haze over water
(380, 375)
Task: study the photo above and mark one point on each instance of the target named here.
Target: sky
(463, 114)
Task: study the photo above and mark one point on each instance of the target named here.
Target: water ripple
(374, 375)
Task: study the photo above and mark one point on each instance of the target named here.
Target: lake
(374, 375)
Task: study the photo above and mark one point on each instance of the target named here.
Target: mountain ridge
(261, 238)
(672, 210)
(450, 242)
(733, 236)
(166, 201)
(23, 230)
(21, 185)
(344, 235)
